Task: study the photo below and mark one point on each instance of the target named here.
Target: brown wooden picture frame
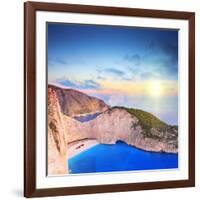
(30, 9)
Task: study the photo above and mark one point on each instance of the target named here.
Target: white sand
(80, 146)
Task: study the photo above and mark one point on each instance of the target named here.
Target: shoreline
(80, 146)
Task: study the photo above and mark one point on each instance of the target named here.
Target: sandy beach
(77, 147)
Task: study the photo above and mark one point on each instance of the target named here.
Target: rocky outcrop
(57, 138)
(73, 102)
(134, 127)
(118, 124)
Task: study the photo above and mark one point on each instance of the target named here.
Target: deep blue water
(87, 117)
(120, 157)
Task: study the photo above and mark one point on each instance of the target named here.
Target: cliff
(119, 124)
(73, 102)
(135, 127)
(57, 138)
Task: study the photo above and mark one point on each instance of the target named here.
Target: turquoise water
(87, 118)
(120, 157)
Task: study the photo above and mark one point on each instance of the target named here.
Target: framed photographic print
(109, 99)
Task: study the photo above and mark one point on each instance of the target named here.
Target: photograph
(112, 98)
(109, 99)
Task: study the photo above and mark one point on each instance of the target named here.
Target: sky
(124, 66)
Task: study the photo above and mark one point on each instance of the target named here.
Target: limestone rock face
(73, 102)
(109, 126)
(57, 139)
(118, 124)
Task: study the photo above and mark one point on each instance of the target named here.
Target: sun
(155, 89)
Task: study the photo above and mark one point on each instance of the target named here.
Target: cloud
(67, 83)
(86, 84)
(115, 71)
(158, 61)
(149, 76)
(55, 61)
(135, 59)
(151, 45)
(108, 73)
(166, 67)
(171, 50)
(100, 77)
(168, 52)
(61, 61)
(91, 84)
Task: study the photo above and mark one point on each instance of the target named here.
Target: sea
(120, 157)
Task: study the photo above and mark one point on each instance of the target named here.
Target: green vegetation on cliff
(152, 127)
(146, 119)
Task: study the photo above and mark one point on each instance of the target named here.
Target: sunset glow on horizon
(124, 66)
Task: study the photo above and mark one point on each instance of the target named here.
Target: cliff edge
(57, 138)
(133, 126)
